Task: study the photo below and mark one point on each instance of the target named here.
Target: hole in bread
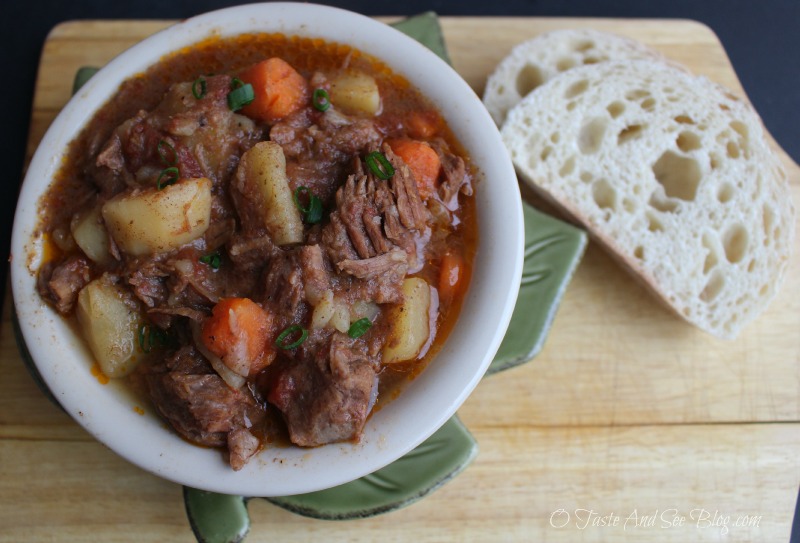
(712, 253)
(741, 129)
(501, 90)
(714, 161)
(628, 133)
(659, 203)
(684, 119)
(638, 252)
(605, 196)
(571, 105)
(576, 88)
(733, 150)
(751, 266)
(654, 224)
(725, 193)
(586, 177)
(715, 284)
(591, 135)
(648, 104)
(688, 141)
(528, 78)
(555, 137)
(591, 60)
(568, 167)
(637, 94)
(735, 243)
(680, 176)
(724, 107)
(584, 45)
(564, 64)
(628, 205)
(764, 290)
(545, 153)
(615, 109)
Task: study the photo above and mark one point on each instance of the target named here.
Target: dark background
(762, 38)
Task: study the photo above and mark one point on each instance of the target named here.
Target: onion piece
(233, 379)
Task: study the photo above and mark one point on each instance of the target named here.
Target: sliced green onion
(151, 337)
(379, 165)
(167, 153)
(240, 96)
(290, 331)
(359, 328)
(199, 87)
(236, 83)
(167, 177)
(312, 213)
(212, 259)
(321, 99)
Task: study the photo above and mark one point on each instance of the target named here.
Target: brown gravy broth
(72, 189)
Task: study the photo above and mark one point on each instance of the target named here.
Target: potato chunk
(264, 166)
(356, 92)
(109, 319)
(156, 221)
(411, 322)
(90, 234)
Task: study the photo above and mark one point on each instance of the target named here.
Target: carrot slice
(238, 331)
(423, 162)
(279, 90)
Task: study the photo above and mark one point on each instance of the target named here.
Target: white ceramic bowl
(107, 411)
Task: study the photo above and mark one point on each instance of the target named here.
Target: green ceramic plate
(553, 250)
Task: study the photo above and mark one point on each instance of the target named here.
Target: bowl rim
(278, 472)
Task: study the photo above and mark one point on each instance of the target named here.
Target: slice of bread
(673, 174)
(533, 62)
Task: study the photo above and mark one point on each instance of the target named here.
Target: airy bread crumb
(672, 173)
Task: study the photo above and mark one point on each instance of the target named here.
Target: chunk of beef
(326, 397)
(355, 205)
(61, 283)
(148, 280)
(293, 279)
(337, 241)
(394, 264)
(378, 232)
(319, 147)
(455, 176)
(205, 139)
(192, 282)
(410, 207)
(316, 276)
(250, 253)
(242, 445)
(283, 288)
(200, 406)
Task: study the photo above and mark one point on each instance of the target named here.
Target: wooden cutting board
(627, 412)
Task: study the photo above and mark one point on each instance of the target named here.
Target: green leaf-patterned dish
(553, 250)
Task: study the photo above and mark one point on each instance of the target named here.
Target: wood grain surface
(629, 426)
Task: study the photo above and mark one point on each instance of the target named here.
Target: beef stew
(262, 235)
